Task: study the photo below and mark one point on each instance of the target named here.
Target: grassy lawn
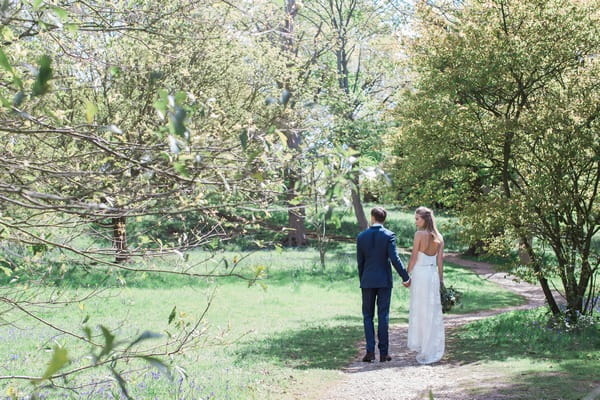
(538, 362)
(280, 341)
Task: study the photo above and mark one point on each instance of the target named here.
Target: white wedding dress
(426, 324)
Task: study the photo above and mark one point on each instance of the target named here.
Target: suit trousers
(382, 297)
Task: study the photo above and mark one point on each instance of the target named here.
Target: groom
(375, 248)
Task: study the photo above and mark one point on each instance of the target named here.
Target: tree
(358, 34)
(504, 115)
(95, 132)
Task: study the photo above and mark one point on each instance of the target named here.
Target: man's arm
(360, 260)
(396, 261)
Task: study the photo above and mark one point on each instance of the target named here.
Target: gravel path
(403, 378)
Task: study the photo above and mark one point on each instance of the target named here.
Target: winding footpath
(403, 378)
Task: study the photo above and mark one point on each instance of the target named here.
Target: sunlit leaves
(4, 63)
(502, 109)
(87, 142)
(59, 360)
(90, 111)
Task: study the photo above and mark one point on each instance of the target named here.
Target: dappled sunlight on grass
(321, 347)
(542, 362)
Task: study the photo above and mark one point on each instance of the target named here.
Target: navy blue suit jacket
(375, 248)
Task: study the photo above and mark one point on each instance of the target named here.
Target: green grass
(277, 342)
(539, 362)
(477, 292)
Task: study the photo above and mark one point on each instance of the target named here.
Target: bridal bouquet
(449, 297)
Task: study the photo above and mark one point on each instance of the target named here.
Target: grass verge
(536, 360)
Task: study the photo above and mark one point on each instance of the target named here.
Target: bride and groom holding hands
(375, 250)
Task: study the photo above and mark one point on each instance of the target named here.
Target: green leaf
(8, 35)
(43, 76)
(181, 168)
(121, 382)
(165, 156)
(4, 63)
(71, 27)
(161, 108)
(17, 81)
(58, 361)
(109, 340)
(180, 97)
(244, 138)
(90, 111)
(283, 139)
(114, 71)
(5, 102)
(172, 315)
(145, 336)
(60, 12)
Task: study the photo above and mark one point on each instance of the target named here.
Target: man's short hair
(379, 214)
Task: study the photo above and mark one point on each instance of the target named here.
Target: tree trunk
(358, 207)
(527, 246)
(547, 292)
(120, 239)
(297, 229)
(507, 155)
(475, 249)
(296, 210)
(524, 257)
(296, 214)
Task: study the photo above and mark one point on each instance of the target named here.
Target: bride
(426, 326)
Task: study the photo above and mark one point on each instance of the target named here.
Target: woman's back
(429, 244)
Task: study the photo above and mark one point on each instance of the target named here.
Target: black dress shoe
(369, 357)
(385, 358)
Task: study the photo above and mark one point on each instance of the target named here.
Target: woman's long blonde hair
(427, 215)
